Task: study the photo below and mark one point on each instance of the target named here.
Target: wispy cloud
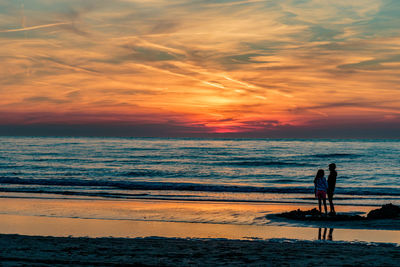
(223, 65)
(37, 27)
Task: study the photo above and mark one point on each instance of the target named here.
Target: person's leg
(330, 198)
(326, 210)
(319, 205)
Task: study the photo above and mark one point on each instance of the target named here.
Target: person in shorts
(320, 189)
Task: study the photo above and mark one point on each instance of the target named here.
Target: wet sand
(379, 224)
(75, 227)
(63, 251)
(174, 219)
(44, 232)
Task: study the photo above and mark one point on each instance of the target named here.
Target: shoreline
(177, 219)
(150, 251)
(48, 232)
(99, 228)
(103, 198)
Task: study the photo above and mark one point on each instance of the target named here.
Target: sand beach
(60, 241)
(17, 250)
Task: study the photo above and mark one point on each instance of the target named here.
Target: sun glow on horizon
(217, 66)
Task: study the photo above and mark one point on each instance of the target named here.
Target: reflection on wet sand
(141, 218)
(323, 236)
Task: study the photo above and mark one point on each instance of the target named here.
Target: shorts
(321, 194)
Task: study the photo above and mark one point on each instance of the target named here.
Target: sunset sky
(245, 68)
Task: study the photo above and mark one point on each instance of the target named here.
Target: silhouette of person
(331, 186)
(320, 189)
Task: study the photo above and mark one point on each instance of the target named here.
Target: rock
(299, 214)
(314, 215)
(388, 211)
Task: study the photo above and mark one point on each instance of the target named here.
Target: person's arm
(325, 184)
(315, 187)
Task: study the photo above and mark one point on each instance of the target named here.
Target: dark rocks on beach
(315, 215)
(388, 211)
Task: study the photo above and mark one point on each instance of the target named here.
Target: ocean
(186, 169)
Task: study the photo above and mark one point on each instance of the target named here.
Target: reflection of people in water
(331, 186)
(321, 186)
(319, 234)
(323, 237)
(330, 234)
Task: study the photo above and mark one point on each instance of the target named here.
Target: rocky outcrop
(315, 215)
(388, 211)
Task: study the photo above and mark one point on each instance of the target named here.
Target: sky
(244, 68)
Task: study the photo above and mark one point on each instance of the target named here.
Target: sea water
(224, 170)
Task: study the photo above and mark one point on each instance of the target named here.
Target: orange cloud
(237, 66)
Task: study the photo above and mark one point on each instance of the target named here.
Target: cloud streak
(36, 27)
(223, 66)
